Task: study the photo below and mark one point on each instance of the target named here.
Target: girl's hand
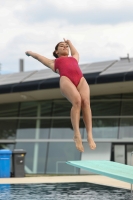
(27, 53)
(66, 41)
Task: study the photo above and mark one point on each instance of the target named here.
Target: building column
(37, 134)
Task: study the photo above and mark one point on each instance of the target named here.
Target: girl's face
(63, 49)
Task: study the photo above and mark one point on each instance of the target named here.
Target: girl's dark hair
(56, 48)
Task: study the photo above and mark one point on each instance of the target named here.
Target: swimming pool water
(62, 191)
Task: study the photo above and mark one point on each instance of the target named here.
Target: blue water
(62, 191)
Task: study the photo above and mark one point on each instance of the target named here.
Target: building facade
(35, 117)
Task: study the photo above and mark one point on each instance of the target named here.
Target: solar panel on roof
(42, 74)
(4, 76)
(131, 68)
(104, 68)
(96, 67)
(15, 78)
(119, 67)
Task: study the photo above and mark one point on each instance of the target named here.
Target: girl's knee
(85, 102)
(77, 101)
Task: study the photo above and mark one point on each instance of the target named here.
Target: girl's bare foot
(78, 142)
(91, 143)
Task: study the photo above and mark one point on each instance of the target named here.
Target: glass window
(129, 149)
(7, 146)
(126, 128)
(45, 128)
(105, 128)
(26, 129)
(105, 108)
(127, 108)
(127, 96)
(8, 129)
(107, 97)
(28, 109)
(46, 108)
(62, 129)
(59, 153)
(62, 108)
(42, 152)
(9, 110)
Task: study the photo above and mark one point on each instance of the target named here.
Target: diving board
(106, 168)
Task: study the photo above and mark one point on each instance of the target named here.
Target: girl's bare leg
(69, 90)
(84, 91)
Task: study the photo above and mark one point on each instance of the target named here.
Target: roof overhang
(54, 93)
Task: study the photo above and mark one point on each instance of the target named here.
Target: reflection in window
(7, 146)
(8, 129)
(105, 108)
(62, 128)
(127, 108)
(129, 150)
(26, 129)
(9, 110)
(42, 152)
(105, 128)
(28, 109)
(45, 128)
(107, 97)
(59, 153)
(127, 96)
(46, 108)
(126, 128)
(62, 108)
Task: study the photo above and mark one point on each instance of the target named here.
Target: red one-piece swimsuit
(68, 66)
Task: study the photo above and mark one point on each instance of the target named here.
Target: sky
(101, 30)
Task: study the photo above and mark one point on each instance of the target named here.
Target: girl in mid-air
(73, 86)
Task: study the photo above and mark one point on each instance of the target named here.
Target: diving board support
(131, 165)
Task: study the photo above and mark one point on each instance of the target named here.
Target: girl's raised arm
(45, 61)
(74, 52)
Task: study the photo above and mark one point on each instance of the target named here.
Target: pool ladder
(131, 165)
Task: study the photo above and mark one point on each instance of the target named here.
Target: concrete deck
(97, 179)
